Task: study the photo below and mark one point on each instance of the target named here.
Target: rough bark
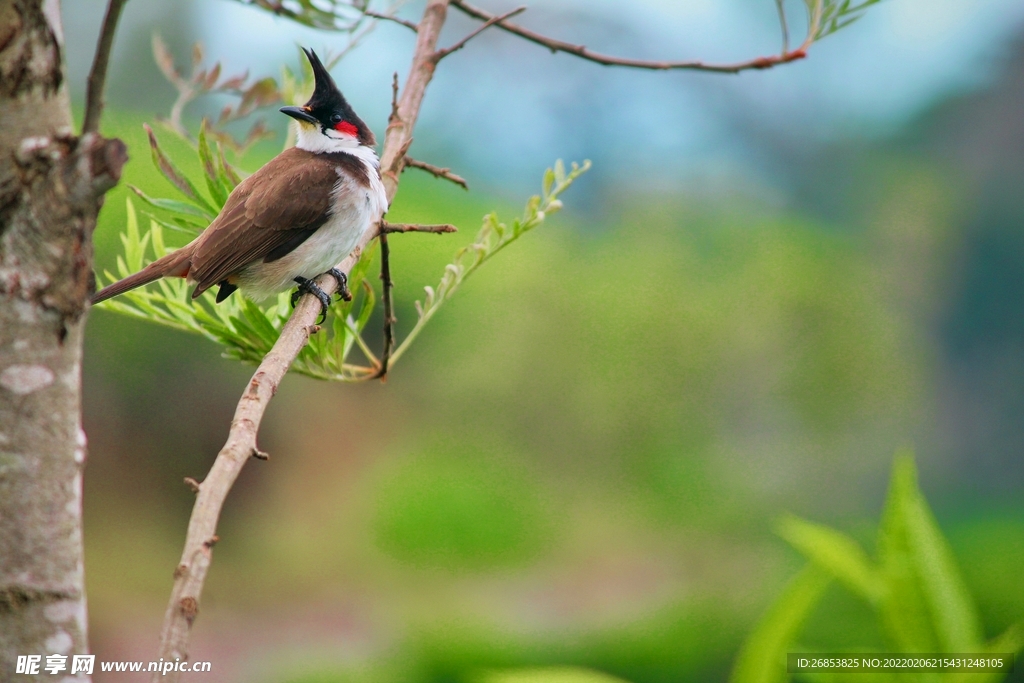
(51, 188)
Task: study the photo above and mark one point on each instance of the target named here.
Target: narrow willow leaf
(130, 240)
(175, 176)
(122, 268)
(186, 211)
(904, 612)
(229, 176)
(340, 337)
(762, 658)
(927, 606)
(164, 60)
(954, 615)
(210, 170)
(836, 553)
(157, 233)
(549, 181)
(259, 320)
(369, 303)
(176, 225)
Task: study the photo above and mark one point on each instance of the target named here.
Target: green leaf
(259, 322)
(244, 330)
(175, 225)
(157, 233)
(210, 170)
(185, 210)
(175, 176)
(836, 553)
(549, 180)
(763, 656)
(369, 302)
(134, 248)
(229, 177)
(927, 606)
(491, 239)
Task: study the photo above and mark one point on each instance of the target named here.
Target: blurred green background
(581, 460)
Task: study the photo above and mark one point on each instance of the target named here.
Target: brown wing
(275, 208)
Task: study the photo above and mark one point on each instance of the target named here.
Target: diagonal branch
(190, 574)
(437, 171)
(389, 315)
(390, 17)
(441, 54)
(439, 229)
(607, 60)
(98, 74)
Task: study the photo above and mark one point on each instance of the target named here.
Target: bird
(293, 219)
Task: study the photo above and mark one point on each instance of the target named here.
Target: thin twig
(387, 284)
(190, 575)
(783, 24)
(581, 51)
(390, 17)
(98, 74)
(439, 229)
(441, 54)
(393, 116)
(437, 171)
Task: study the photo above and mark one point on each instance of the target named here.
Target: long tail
(176, 263)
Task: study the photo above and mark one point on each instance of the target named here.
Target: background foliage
(609, 422)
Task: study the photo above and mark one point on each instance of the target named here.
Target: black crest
(327, 101)
(325, 94)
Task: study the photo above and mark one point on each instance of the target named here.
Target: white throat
(310, 138)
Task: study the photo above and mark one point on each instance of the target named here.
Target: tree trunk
(51, 188)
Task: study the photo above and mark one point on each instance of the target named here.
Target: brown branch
(394, 98)
(241, 443)
(98, 74)
(390, 17)
(584, 53)
(439, 229)
(437, 171)
(441, 54)
(387, 284)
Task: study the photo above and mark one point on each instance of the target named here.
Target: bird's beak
(299, 114)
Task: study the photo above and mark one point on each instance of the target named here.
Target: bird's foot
(307, 286)
(342, 283)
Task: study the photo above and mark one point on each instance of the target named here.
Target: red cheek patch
(347, 128)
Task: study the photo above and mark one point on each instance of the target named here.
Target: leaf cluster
(328, 15)
(828, 16)
(253, 95)
(913, 586)
(492, 238)
(247, 331)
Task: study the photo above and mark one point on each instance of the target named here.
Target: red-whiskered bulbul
(293, 219)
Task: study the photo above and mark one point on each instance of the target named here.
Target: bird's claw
(307, 286)
(342, 283)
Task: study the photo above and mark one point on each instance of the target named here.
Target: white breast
(357, 209)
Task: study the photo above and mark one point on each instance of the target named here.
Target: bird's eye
(336, 118)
